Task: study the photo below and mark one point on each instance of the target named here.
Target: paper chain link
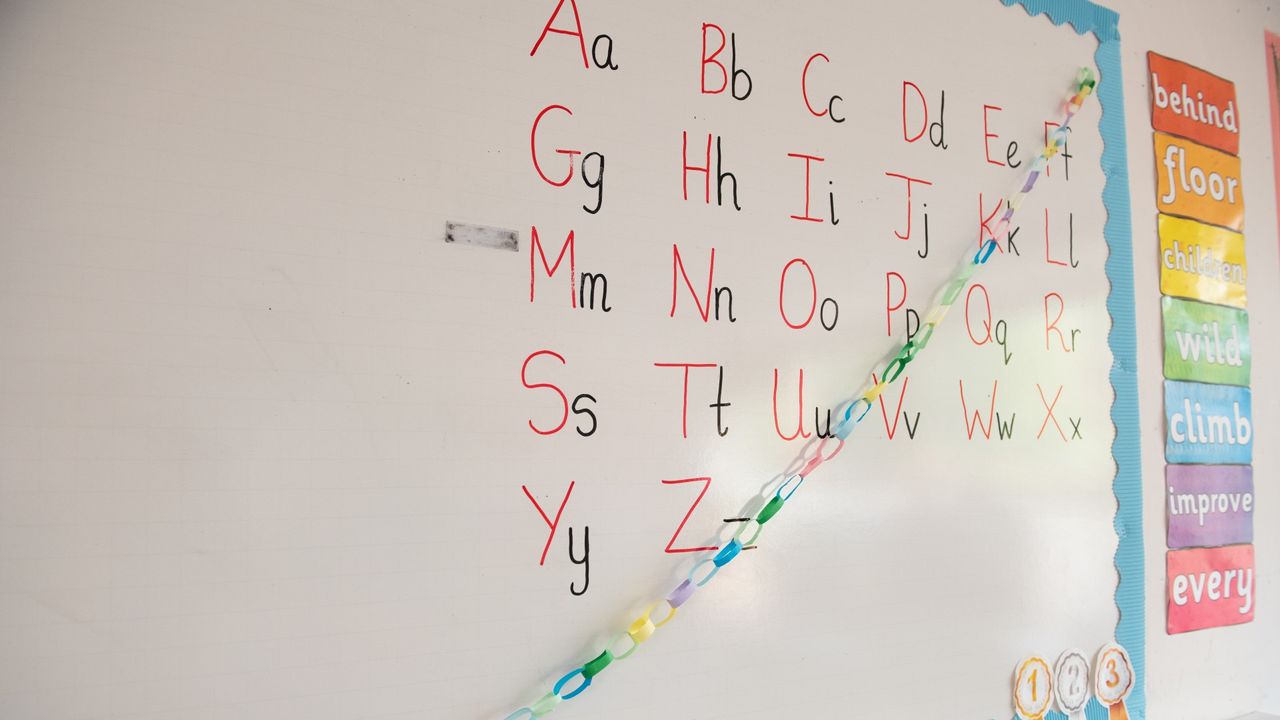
(644, 627)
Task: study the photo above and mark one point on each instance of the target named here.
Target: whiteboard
(264, 431)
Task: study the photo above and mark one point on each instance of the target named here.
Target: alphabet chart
(836, 256)
(397, 363)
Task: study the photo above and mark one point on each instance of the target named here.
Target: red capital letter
(564, 401)
(986, 135)
(800, 431)
(782, 291)
(909, 180)
(553, 524)
(984, 224)
(686, 167)
(986, 323)
(1053, 326)
(535, 246)
(711, 60)
(976, 421)
(889, 307)
(1048, 124)
(808, 159)
(576, 31)
(684, 398)
(533, 148)
(804, 84)
(1048, 412)
(924, 122)
(1048, 259)
(677, 266)
(902, 395)
(706, 483)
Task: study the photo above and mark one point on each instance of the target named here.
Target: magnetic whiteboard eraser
(481, 236)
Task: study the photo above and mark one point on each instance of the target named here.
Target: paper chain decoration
(706, 568)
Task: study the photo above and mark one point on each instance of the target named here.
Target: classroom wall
(1219, 673)
(1230, 671)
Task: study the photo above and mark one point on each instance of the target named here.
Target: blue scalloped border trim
(1086, 17)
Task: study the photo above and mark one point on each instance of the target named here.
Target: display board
(374, 362)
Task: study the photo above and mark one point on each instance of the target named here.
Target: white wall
(1224, 672)
(133, 253)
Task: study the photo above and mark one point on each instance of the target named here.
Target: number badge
(1113, 679)
(1071, 683)
(1032, 688)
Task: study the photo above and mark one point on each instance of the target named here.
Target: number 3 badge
(1113, 679)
